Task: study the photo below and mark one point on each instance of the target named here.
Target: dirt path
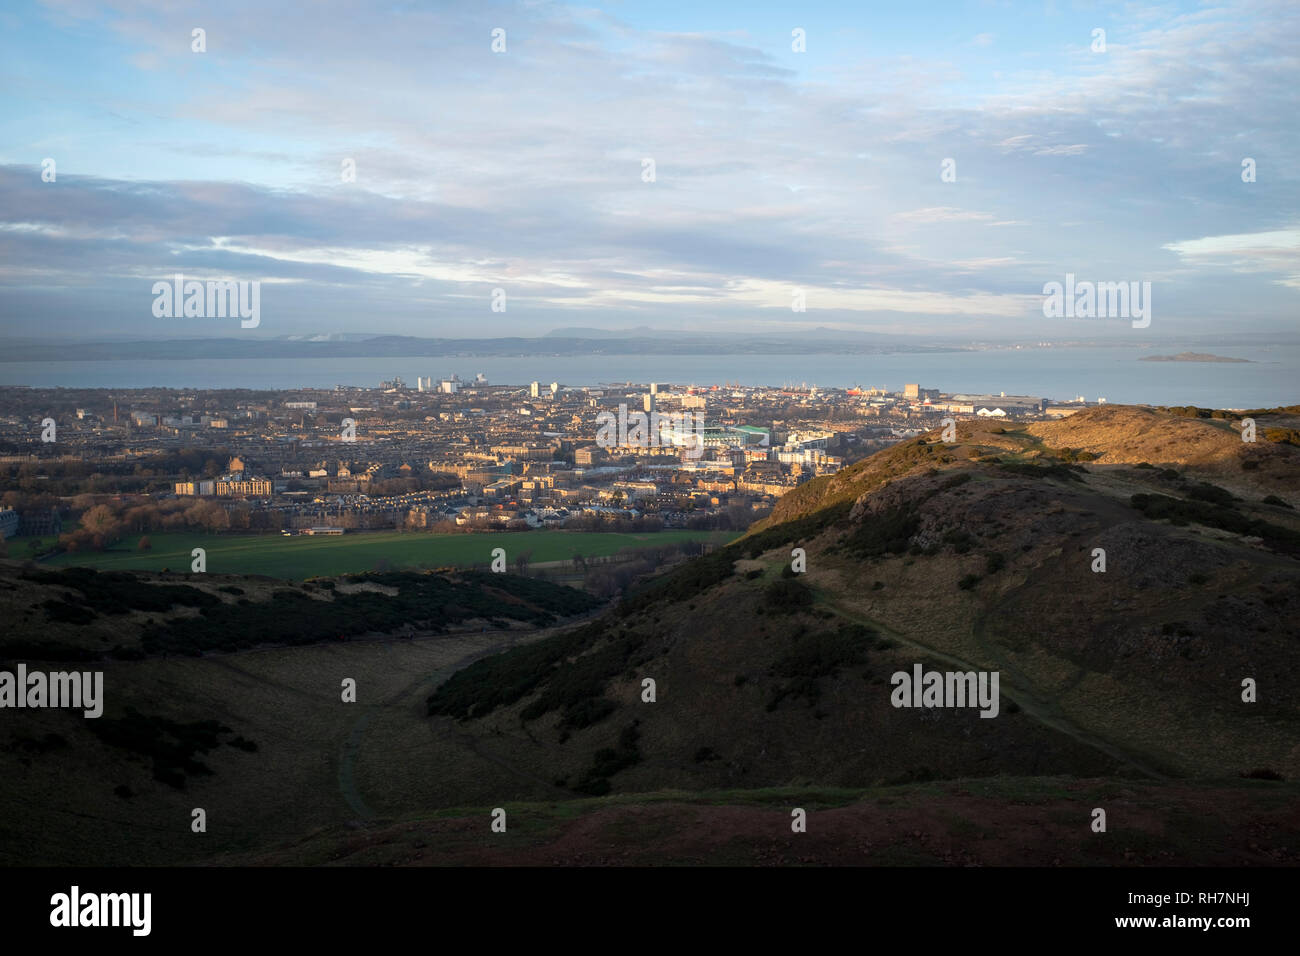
(1031, 705)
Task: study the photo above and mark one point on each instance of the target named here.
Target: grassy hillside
(974, 555)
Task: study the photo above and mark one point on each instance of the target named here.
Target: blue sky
(775, 170)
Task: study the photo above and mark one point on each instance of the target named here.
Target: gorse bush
(1181, 511)
(170, 746)
(787, 595)
(428, 601)
(607, 761)
(811, 657)
(120, 592)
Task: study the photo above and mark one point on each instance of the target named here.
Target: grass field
(303, 556)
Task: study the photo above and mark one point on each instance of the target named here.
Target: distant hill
(639, 341)
(1191, 357)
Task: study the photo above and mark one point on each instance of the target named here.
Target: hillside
(973, 555)
(1120, 689)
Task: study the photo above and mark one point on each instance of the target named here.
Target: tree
(99, 518)
(145, 544)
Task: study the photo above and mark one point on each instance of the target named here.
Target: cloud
(1276, 252)
(524, 169)
(1075, 150)
(935, 214)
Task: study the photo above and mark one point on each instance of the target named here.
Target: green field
(303, 556)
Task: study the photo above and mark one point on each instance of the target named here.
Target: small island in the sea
(1190, 357)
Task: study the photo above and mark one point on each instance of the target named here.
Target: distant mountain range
(571, 340)
(560, 342)
(1191, 357)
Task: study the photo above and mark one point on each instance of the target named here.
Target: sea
(1270, 378)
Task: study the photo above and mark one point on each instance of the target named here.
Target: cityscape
(468, 462)
(449, 453)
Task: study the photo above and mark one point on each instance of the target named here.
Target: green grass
(302, 556)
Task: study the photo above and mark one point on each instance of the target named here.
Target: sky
(777, 172)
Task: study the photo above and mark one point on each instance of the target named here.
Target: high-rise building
(535, 389)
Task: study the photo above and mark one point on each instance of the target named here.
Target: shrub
(787, 595)
(1263, 773)
(588, 711)
(607, 761)
(171, 746)
(1204, 491)
(1289, 436)
(67, 613)
(1056, 470)
(885, 533)
(1179, 511)
(814, 656)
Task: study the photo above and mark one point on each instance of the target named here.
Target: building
(588, 456)
(9, 522)
(243, 487)
(40, 523)
(322, 530)
(192, 488)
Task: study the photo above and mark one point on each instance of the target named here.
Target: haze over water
(1062, 373)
